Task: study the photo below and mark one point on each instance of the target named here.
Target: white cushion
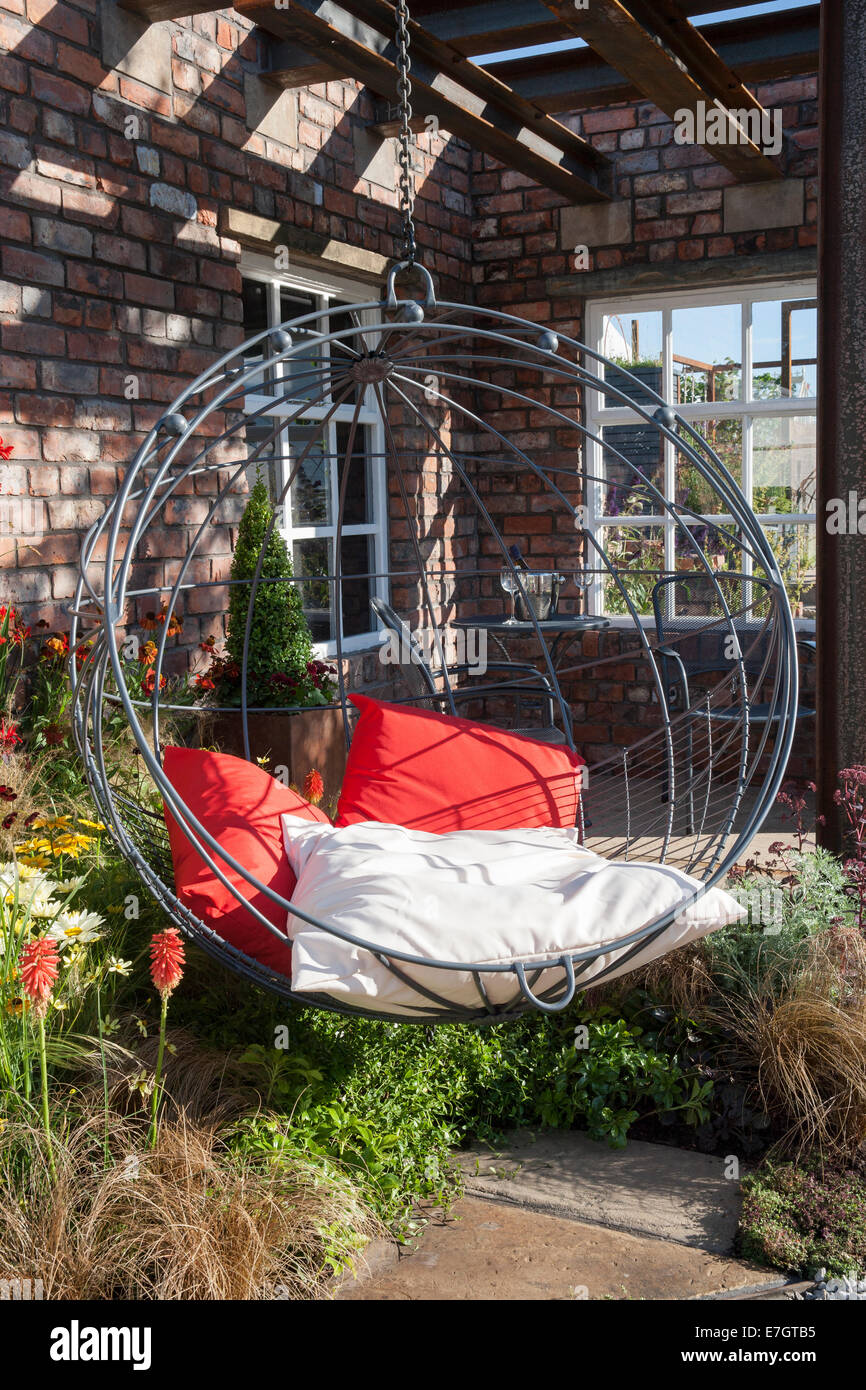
(472, 896)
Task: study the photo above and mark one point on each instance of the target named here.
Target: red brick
(145, 96)
(17, 372)
(92, 347)
(41, 338)
(85, 66)
(59, 19)
(33, 409)
(29, 44)
(94, 279)
(88, 205)
(690, 250)
(14, 225)
(60, 93)
(13, 75)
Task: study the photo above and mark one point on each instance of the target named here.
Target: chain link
(408, 248)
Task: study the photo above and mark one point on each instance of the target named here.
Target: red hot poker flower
(314, 787)
(167, 960)
(38, 966)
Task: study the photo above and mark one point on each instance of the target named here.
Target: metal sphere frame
(387, 355)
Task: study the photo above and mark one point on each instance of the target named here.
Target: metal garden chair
(529, 690)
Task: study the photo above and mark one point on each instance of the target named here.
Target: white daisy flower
(115, 966)
(44, 907)
(78, 928)
(70, 885)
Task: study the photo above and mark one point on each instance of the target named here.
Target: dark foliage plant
(804, 1218)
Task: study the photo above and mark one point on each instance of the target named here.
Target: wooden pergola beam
(468, 101)
(617, 37)
(758, 49)
(691, 46)
(491, 25)
(292, 66)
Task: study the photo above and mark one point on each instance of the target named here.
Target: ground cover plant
(802, 1219)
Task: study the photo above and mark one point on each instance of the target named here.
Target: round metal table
(561, 629)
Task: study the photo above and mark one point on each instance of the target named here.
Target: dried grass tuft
(190, 1220)
(802, 1037)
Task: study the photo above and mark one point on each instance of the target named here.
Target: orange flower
(166, 960)
(38, 966)
(314, 787)
(149, 683)
(57, 647)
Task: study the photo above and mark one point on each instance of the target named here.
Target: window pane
(637, 553)
(357, 553)
(783, 464)
(718, 544)
(715, 596)
(313, 558)
(626, 491)
(633, 342)
(303, 371)
(784, 348)
(358, 504)
(794, 549)
(725, 438)
(707, 343)
(254, 297)
(311, 490)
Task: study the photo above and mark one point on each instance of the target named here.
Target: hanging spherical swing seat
(480, 424)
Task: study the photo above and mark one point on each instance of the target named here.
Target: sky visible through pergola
(717, 17)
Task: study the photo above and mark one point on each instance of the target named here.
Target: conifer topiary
(280, 642)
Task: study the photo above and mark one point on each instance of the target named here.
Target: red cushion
(240, 805)
(431, 771)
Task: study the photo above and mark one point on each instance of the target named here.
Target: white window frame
(599, 415)
(325, 288)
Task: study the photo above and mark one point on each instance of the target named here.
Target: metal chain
(408, 248)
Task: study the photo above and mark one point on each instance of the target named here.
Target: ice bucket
(542, 594)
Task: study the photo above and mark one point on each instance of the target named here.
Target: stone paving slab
(489, 1250)
(647, 1189)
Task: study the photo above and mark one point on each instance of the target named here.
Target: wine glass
(581, 584)
(508, 580)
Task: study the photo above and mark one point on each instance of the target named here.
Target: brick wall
(118, 285)
(119, 282)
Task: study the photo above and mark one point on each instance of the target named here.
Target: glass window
(740, 367)
(304, 441)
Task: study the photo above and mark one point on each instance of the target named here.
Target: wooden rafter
(758, 48)
(467, 100)
(617, 37)
(691, 46)
(293, 66)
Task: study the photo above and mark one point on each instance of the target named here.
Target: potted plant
(289, 691)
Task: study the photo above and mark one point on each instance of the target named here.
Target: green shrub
(279, 641)
(747, 954)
